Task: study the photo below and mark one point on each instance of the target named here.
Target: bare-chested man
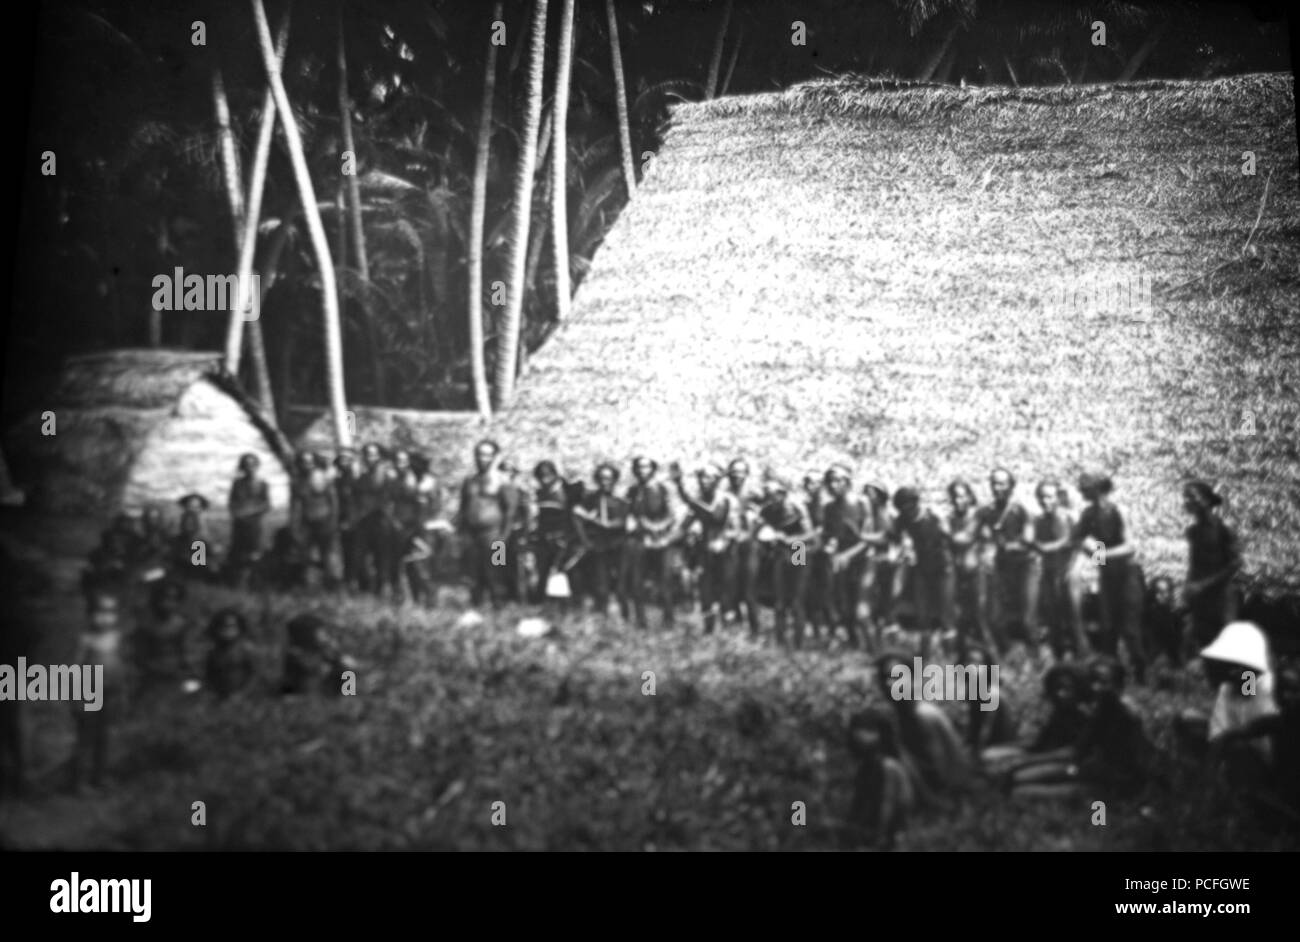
(744, 587)
(487, 513)
(369, 505)
(313, 511)
(716, 511)
(785, 534)
(601, 521)
(650, 547)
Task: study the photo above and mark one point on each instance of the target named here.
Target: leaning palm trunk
(320, 244)
(478, 211)
(509, 341)
(731, 63)
(936, 59)
(341, 235)
(1011, 71)
(559, 189)
(354, 218)
(249, 219)
(944, 72)
(230, 179)
(537, 241)
(620, 101)
(248, 246)
(1140, 57)
(229, 156)
(715, 63)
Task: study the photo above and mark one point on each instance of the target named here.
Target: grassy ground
(450, 718)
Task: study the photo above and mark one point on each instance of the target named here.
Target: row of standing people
(823, 555)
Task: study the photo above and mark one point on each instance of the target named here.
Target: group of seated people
(1092, 744)
(153, 647)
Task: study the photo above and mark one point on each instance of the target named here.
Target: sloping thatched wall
(138, 427)
(875, 274)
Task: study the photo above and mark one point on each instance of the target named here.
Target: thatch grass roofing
(134, 379)
(142, 426)
(874, 272)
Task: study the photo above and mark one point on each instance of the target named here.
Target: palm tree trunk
(274, 249)
(246, 240)
(559, 166)
(229, 156)
(620, 101)
(248, 247)
(541, 205)
(537, 240)
(936, 58)
(1011, 72)
(230, 178)
(341, 236)
(509, 340)
(244, 220)
(439, 265)
(731, 63)
(478, 212)
(270, 269)
(944, 72)
(354, 218)
(715, 62)
(261, 371)
(320, 244)
(1140, 57)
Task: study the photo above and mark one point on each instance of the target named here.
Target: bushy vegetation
(450, 717)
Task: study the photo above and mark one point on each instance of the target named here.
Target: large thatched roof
(874, 273)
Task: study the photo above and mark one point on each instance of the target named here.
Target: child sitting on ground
(154, 548)
(160, 645)
(192, 529)
(1110, 756)
(230, 667)
(1162, 622)
(111, 568)
(1065, 692)
(988, 728)
(312, 659)
(883, 795)
(928, 744)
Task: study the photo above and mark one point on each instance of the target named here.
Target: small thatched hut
(929, 281)
(138, 427)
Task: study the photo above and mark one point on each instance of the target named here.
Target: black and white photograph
(653, 425)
